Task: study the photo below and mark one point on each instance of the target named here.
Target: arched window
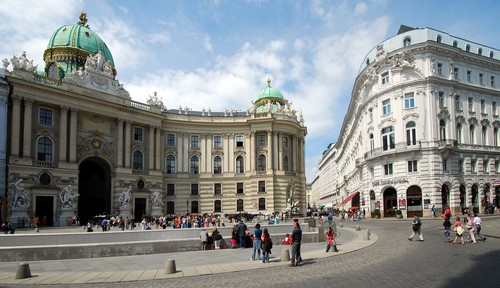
(459, 133)
(367, 61)
(137, 160)
(195, 165)
(44, 149)
(170, 162)
(484, 135)
(411, 133)
(480, 51)
(285, 163)
(472, 134)
(455, 43)
(372, 143)
(491, 54)
(495, 136)
(217, 206)
(239, 205)
(406, 41)
(262, 203)
(217, 165)
(438, 38)
(467, 48)
(261, 163)
(442, 130)
(240, 164)
(388, 138)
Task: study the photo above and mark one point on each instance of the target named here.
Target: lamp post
(187, 206)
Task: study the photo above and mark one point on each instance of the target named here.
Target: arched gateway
(94, 187)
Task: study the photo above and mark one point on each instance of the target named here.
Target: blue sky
(218, 54)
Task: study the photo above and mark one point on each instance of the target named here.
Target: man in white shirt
(478, 223)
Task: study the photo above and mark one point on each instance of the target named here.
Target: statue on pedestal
(125, 197)
(68, 197)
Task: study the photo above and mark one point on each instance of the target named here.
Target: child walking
(447, 229)
(460, 230)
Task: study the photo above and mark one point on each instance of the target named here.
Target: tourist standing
(241, 230)
(296, 240)
(267, 245)
(204, 239)
(330, 239)
(417, 228)
(257, 241)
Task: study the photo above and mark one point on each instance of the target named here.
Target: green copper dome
(70, 45)
(270, 93)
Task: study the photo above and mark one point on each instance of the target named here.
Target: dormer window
(438, 38)
(407, 42)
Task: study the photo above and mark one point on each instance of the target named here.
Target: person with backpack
(416, 227)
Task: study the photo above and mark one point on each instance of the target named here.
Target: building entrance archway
(445, 197)
(390, 202)
(474, 198)
(94, 187)
(414, 196)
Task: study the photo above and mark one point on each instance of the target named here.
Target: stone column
(16, 128)
(151, 150)
(28, 115)
(180, 146)
(248, 158)
(225, 149)
(119, 143)
(252, 151)
(128, 125)
(295, 152)
(63, 134)
(269, 160)
(230, 153)
(278, 158)
(203, 148)
(158, 154)
(73, 135)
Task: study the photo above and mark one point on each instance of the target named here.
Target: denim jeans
(257, 245)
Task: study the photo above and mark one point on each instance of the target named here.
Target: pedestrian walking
(471, 227)
(479, 224)
(447, 229)
(267, 245)
(330, 239)
(459, 231)
(417, 229)
(433, 209)
(296, 240)
(257, 241)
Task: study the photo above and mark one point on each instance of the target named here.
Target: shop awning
(349, 198)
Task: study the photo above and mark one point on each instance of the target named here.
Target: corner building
(422, 127)
(74, 126)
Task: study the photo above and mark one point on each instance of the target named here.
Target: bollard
(23, 271)
(366, 236)
(170, 267)
(285, 255)
(36, 230)
(358, 228)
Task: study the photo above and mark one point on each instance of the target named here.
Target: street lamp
(187, 206)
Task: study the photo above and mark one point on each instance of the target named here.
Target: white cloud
(360, 8)
(207, 43)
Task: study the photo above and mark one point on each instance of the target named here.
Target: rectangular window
(217, 188)
(492, 81)
(440, 69)
(386, 107)
(170, 139)
(385, 78)
(455, 73)
(194, 189)
(261, 140)
(217, 141)
(170, 189)
(195, 141)
(486, 166)
(239, 188)
(461, 166)
(409, 100)
(483, 106)
(445, 165)
(471, 104)
(388, 169)
(473, 166)
(441, 99)
(481, 79)
(497, 166)
(239, 141)
(262, 186)
(137, 134)
(412, 166)
(285, 141)
(458, 105)
(45, 117)
(494, 108)
(469, 76)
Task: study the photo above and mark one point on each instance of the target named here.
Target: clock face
(52, 71)
(96, 143)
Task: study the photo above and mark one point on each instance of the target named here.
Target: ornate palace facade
(79, 145)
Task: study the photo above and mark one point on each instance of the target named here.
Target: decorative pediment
(473, 121)
(387, 122)
(496, 123)
(444, 114)
(460, 119)
(485, 122)
(410, 115)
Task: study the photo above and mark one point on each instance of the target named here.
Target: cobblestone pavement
(391, 262)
